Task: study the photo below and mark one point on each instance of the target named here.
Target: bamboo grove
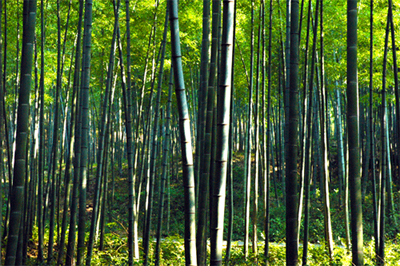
(283, 111)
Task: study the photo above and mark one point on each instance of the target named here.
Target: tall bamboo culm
(86, 58)
(17, 193)
(222, 137)
(292, 141)
(186, 145)
(353, 135)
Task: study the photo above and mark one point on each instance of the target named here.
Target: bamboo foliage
(280, 144)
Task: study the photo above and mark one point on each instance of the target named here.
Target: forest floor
(172, 249)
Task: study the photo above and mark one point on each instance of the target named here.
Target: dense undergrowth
(172, 253)
(115, 250)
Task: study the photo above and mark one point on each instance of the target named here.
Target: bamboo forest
(166, 132)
